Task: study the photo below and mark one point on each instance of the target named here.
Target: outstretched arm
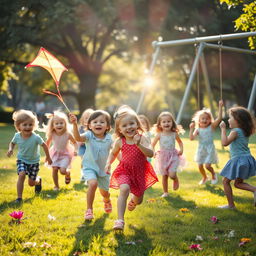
(47, 155)
(155, 140)
(10, 150)
(112, 155)
(180, 144)
(226, 140)
(192, 131)
(219, 117)
(73, 120)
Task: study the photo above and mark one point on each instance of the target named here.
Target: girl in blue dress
(241, 165)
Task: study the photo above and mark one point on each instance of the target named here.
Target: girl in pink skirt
(61, 151)
(168, 159)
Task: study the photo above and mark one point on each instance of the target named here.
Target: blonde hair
(145, 119)
(122, 112)
(203, 111)
(87, 112)
(174, 128)
(22, 116)
(52, 117)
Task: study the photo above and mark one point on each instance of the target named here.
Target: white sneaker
(215, 180)
(226, 207)
(165, 195)
(203, 181)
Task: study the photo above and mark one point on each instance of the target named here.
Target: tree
(247, 19)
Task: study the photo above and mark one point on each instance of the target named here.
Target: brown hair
(122, 112)
(88, 112)
(22, 116)
(158, 128)
(98, 113)
(145, 119)
(244, 119)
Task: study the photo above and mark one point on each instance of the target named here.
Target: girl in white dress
(206, 152)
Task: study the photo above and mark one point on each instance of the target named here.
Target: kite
(47, 61)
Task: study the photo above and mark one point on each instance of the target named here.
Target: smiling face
(166, 123)
(26, 128)
(128, 126)
(204, 120)
(99, 126)
(59, 125)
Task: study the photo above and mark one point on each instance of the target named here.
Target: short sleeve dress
(167, 158)
(206, 152)
(134, 170)
(241, 164)
(61, 151)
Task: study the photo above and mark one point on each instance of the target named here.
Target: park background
(106, 45)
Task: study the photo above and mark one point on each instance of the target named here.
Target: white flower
(51, 218)
(29, 244)
(199, 238)
(231, 234)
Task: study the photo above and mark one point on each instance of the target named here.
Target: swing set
(201, 43)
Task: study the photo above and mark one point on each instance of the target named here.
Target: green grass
(155, 228)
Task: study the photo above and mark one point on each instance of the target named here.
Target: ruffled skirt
(168, 161)
(242, 167)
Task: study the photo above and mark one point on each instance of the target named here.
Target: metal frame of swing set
(202, 41)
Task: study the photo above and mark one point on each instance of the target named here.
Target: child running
(98, 143)
(134, 173)
(61, 151)
(168, 159)
(206, 153)
(242, 165)
(82, 127)
(28, 143)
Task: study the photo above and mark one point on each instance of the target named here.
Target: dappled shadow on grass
(215, 190)
(176, 201)
(137, 244)
(88, 234)
(7, 171)
(51, 194)
(79, 186)
(12, 204)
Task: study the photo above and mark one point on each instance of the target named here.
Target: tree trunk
(88, 86)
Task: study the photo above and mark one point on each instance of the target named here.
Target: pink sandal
(118, 225)
(88, 214)
(107, 207)
(131, 205)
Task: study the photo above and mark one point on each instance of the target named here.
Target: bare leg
(93, 184)
(55, 177)
(175, 179)
(211, 170)
(137, 200)
(20, 184)
(202, 171)
(122, 200)
(165, 183)
(239, 183)
(228, 192)
(105, 194)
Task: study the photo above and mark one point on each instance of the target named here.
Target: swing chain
(196, 45)
(220, 65)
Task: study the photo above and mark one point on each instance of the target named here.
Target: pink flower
(195, 247)
(214, 219)
(17, 215)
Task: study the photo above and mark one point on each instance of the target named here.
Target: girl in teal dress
(241, 165)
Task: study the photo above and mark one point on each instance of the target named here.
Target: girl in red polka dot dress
(134, 173)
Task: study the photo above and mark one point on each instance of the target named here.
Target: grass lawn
(54, 221)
